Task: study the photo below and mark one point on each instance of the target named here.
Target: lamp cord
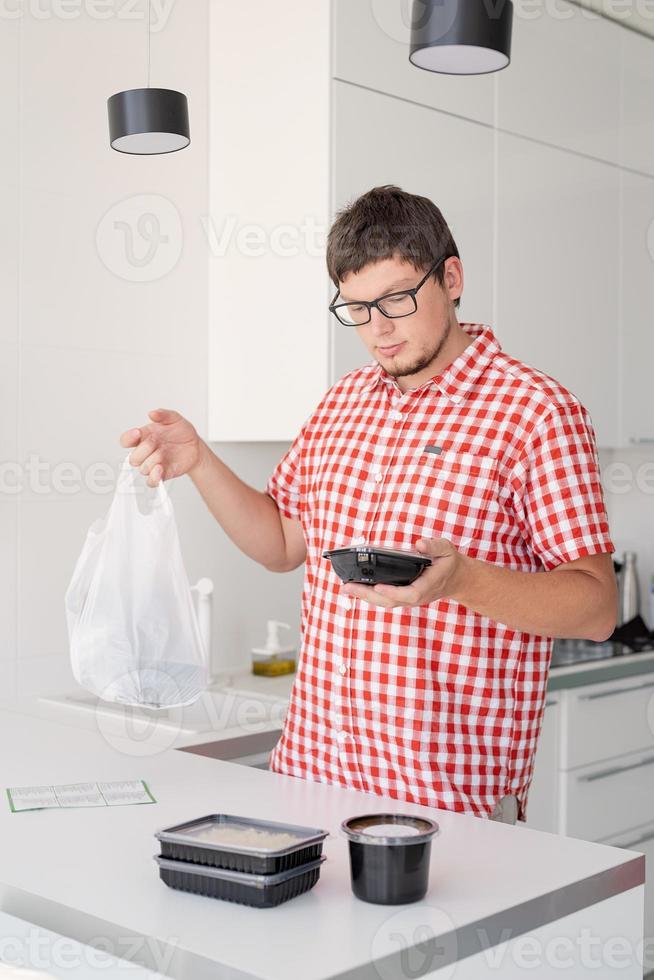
(149, 6)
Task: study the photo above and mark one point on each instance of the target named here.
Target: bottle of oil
(273, 659)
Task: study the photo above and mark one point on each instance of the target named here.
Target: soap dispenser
(273, 659)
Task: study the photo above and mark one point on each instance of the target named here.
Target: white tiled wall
(86, 351)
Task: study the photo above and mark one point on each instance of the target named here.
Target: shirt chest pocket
(454, 494)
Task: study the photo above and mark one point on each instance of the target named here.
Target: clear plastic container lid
(389, 828)
(221, 831)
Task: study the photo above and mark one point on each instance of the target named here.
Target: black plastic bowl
(389, 867)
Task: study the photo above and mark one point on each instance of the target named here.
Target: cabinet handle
(615, 769)
(616, 690)
(548, 704)
(639, 840)
(641, 440)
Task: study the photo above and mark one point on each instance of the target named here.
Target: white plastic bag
(133, 629)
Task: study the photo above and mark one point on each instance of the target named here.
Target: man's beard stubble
(423, 362)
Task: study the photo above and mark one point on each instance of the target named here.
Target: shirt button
(342, 670)
(342, 737)
(396, 416)
(378, 477)
(360, 540)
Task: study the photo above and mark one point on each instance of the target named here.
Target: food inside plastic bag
(134, 635)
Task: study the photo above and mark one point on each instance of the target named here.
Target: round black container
(389, 868)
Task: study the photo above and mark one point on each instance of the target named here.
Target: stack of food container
(253, 862)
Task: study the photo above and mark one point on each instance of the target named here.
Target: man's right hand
(169, 446)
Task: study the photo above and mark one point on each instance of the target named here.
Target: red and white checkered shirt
(434, 704)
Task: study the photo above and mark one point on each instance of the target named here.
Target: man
(434, 692)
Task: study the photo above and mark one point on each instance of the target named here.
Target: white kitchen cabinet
(562, 86)
(607, 720)
(594, 771)
(608, 797)
(528, 167)
(414, 159)
(637, 306)
(636, 116)
(557, 283)
(642, 840)
(543, 804)
(269, 186)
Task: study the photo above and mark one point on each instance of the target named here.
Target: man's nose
(380, 325)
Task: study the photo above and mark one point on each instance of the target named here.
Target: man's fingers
(368, 594)
(144, 449)
(130, 438)
(155, 475)
(147, 466)
(434, 547)
(164, 415)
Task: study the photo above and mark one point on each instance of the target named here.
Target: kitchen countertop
(89, 873)
(595, 671)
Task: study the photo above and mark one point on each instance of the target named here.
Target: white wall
(85, 350)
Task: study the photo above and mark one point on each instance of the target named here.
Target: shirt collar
(461, 374)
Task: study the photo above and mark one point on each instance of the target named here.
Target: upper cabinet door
(637, 309)
(563, 84)
(380, 140)
(557, 253)
(269, 203)
(637, 103)
(371, 48)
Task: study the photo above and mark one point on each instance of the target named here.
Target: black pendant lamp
(461, 37)
(148, 120)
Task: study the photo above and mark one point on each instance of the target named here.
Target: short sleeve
(557, 491)
(286, 483)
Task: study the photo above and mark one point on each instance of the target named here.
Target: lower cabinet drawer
(643, 840)
(606, 720)
(608, 798)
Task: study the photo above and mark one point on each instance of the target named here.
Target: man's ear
(453, 277)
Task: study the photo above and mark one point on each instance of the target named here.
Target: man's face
(404, 346)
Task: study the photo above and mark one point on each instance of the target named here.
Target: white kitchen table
(499, 896)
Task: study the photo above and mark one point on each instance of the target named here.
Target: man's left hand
(439, 580)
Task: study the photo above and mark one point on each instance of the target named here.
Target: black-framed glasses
(391, 305)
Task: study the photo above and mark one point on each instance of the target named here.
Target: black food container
(258, 891)
(389, 856)
(377, 566)
(213, 841)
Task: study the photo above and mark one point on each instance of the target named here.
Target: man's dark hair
(388, 222)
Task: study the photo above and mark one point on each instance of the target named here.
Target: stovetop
(567, 652)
